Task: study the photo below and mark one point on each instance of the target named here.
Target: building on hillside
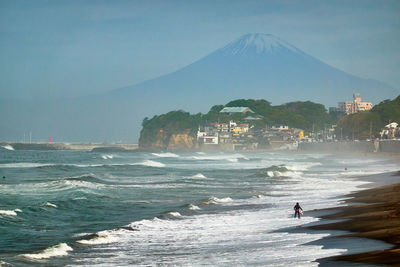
(231, 110)
(355, 106)
(390, 131)
(221, 127)
(280, 127)
(207, 136)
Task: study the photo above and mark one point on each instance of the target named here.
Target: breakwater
(387, 146)
(68, 146)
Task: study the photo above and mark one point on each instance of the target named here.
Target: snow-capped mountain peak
(259, 43)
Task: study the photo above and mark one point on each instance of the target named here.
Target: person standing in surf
(298, 210)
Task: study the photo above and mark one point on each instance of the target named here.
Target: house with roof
(232, 110)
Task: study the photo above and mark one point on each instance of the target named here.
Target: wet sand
(373, 214)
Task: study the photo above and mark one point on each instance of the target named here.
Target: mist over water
(122, 209)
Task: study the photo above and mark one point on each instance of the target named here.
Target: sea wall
(389, 146)
(66, 146)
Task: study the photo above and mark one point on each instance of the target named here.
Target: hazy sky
(72, 48)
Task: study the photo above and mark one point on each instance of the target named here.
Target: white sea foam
(80, 198)
(152, 163)
(274, 174)
(75, 183)
(8, 212)
(277, 174)
(225, 157)
(165, 155)
(174, 214)
(100, 238)
(5, 264)
(50, 204)
(215, 200)
(61, 249)
(194, 207)
(198, 176)
(24, 165)
(107, 156)
(8, 147)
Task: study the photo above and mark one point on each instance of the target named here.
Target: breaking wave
(61, 249)
(277, 171)
(8, 147)
(98, 238)
(24, 165)
(193, 207)
(152, 163)
(107, 156)
(198, 176)
(215, 200)
(174, 214)
(10, 212)
(50, 204)
(165, 155)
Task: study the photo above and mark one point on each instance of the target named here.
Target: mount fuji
(260, 66)
(253, 66)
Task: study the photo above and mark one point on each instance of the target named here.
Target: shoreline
(371, 214)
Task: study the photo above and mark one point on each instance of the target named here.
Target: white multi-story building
(355, 106)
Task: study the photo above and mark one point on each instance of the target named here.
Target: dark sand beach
(372, 213)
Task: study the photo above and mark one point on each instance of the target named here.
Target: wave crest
(215, 200)
(61, 249)
(152, 163)
(97, 239)
(165, 155)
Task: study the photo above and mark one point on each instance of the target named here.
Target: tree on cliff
(308, 116)
(368, 124)
(159, 129)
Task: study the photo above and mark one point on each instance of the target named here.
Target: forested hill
(368, 124)
(157, 131)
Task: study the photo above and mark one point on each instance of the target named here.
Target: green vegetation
(303, 115)
(368, 124)
(307, 115)
(160, 128)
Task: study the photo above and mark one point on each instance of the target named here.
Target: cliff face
(171, 142)
(182, 141)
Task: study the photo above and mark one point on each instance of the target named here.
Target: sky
(65, 49)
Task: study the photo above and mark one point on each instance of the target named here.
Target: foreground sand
(376, 216)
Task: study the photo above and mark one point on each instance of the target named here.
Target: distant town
(241, 135)
(255, 124)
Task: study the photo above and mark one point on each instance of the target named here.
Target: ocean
(76, 208)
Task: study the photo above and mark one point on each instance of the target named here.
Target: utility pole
(370, 130)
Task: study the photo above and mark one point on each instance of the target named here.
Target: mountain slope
(254, 66)
(261, 66)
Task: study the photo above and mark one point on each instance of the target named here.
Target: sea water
(188, 209)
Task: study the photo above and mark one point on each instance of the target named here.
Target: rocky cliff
(164, 140)
(182, 141)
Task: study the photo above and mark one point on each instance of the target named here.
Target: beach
(373, 214)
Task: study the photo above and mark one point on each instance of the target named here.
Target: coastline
(372, 213)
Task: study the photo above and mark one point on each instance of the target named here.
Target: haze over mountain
(253, 66)
(263, 66)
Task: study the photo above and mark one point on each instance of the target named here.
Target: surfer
(298, 210)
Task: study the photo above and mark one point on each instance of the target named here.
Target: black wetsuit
(297, 210)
